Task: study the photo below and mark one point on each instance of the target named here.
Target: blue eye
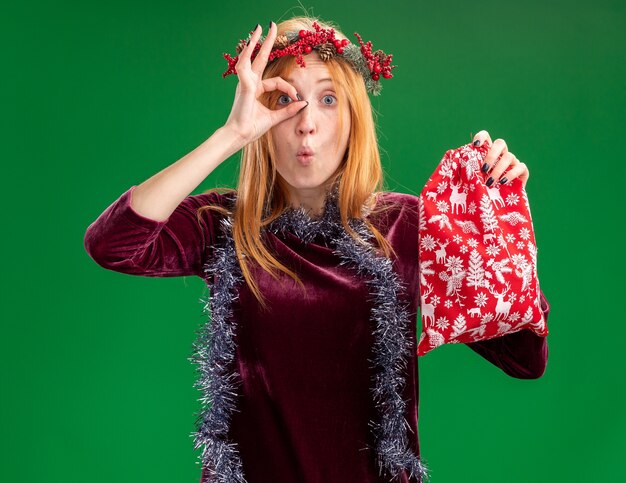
(283, 95)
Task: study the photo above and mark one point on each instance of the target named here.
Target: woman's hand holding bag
(477, 250)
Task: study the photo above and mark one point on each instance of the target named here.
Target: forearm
(522, 354)
(158, 196)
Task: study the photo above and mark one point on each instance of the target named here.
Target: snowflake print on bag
(477, 255)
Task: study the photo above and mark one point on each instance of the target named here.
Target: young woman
(308, 363)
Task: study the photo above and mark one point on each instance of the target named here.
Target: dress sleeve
(522, 354)
(122, 240)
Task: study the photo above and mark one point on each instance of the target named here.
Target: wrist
(235, 137)
(230, 138)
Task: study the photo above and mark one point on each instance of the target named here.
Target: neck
(312, 200)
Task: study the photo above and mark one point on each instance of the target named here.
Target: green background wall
(97, 97)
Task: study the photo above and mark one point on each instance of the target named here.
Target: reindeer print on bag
(477, 255)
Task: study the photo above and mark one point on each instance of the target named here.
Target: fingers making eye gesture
(498, 160)
(249, 118)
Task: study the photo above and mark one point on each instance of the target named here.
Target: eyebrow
(289, 79)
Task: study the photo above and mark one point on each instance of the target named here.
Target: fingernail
(477, 142)
(503, 180)
(257, 26)
(484, 168)
(270, 24)
(489, 181)
(307, 103)
(298, 96)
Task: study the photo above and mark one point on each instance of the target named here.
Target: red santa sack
(477, 255)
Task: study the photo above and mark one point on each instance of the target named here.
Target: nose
(305, 120)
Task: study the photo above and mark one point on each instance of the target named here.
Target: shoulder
(398, 202)
(208, 207)
(395, 208)
(398, 199)
(215, 197)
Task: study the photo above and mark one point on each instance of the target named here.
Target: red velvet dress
(305, 402)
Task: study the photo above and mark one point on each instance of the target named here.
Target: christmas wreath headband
(370, 65)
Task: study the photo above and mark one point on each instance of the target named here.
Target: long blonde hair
(359, 175)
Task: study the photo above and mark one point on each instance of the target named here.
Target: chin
(305, 185)
(305, 182)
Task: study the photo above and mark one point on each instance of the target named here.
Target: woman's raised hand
(248, 118)
(499, 159)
